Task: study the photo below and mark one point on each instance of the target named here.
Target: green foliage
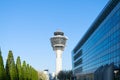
(19, 68)
(2, 70)
(29, 73)
(11, 71)
(24, 68)
(16, 71)
(65, 75)
(34, 75)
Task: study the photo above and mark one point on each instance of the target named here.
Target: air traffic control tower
(58, 42)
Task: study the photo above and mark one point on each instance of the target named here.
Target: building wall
(102, 47)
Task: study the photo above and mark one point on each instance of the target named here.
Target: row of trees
(65, 75)
(17, 71)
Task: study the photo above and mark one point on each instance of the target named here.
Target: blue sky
(27, 25)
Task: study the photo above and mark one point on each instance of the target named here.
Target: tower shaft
(58, 61)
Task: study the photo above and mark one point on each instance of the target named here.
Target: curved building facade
(100, 46)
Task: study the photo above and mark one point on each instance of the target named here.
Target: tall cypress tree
(24, 70)
(2, 70)
(11, 71)
(34, 74)
(28, 72)
(19, 69)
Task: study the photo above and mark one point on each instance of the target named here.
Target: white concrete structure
(53, 75)
(58, 42)
(46, 72)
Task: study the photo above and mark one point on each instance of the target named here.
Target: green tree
(24, 70)
(65, 75)
(11, 71)
(19, 69)
(69, 74)
(61, 75)
(2, 70)
(27, 71)
(34, 74)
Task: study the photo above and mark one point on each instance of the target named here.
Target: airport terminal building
(97, 54)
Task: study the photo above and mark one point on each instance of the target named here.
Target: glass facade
(101, 44)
